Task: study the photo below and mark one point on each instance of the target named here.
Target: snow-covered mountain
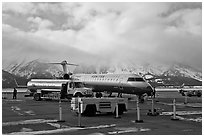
(153, 70)
(35, 68)
(159, 73)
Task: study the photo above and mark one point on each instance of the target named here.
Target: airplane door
(120, 84)
(63, 91)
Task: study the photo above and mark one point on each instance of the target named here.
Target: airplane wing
(20, 86)
(64, 63)
(191, 89)
(176, 89)
(167, 89)
(183, 91)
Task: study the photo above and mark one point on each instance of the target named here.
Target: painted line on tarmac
(56, 125)
(182, 113)
(128, 130)
(199, 119)
(194, 105)
(61, 130)
(46, 131)
(26, 129)
(16, 110)
(29, 112)
(97, 133)
(12, 100)
(32, 121)
(101, 126)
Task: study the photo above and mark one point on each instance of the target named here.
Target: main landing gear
(119, 95)
(98, 95)
(141, 99)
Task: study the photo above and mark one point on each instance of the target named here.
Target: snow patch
(32, 121)
(26, 130)
(128, 130)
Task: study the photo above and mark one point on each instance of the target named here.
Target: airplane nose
(149, 90)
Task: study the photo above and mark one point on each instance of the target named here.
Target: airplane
(190, 91)
(183, 90)
(119, 83)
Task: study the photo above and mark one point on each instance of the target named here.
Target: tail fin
(64, 65)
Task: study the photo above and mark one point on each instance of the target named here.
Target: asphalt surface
(26, 116)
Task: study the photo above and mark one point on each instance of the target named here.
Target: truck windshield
(79, 85)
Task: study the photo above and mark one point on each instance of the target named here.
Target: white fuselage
(120, 83)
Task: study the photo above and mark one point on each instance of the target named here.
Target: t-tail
(64, 64)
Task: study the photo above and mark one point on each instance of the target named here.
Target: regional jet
(119, 83)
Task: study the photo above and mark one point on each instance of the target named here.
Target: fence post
(79, 113)
(60, 112)
(117, 116)
(174, 110)
(186, 99)
(152, 106)
(138, 120)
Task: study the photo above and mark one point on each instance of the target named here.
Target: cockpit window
(136, 79)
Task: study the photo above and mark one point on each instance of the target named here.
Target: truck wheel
(78, 94)
(199, 95)
(189, 95)
(90, 110)
(37, 97)
(99, 95)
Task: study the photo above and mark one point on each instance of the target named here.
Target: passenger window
(131, 79)
(139, 79)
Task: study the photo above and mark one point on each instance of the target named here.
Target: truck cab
(76, 89)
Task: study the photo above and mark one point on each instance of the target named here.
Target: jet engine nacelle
(67, 76)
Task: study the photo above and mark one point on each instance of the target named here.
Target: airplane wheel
(198, 95)
(37, 97)
(189, 95)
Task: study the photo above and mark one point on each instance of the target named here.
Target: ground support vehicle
(194, 93)
(62, 90)
(190, 93)
(91, 106)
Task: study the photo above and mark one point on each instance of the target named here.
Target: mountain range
(156, 74)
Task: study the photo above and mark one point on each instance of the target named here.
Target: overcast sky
(103, 32)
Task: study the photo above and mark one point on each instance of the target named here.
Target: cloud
(18, 7)
(109, 32)
(188, 20)
(40, 23)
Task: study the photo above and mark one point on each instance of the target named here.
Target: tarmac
(24, 116)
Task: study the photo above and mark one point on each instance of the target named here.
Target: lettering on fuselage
(122, 83)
